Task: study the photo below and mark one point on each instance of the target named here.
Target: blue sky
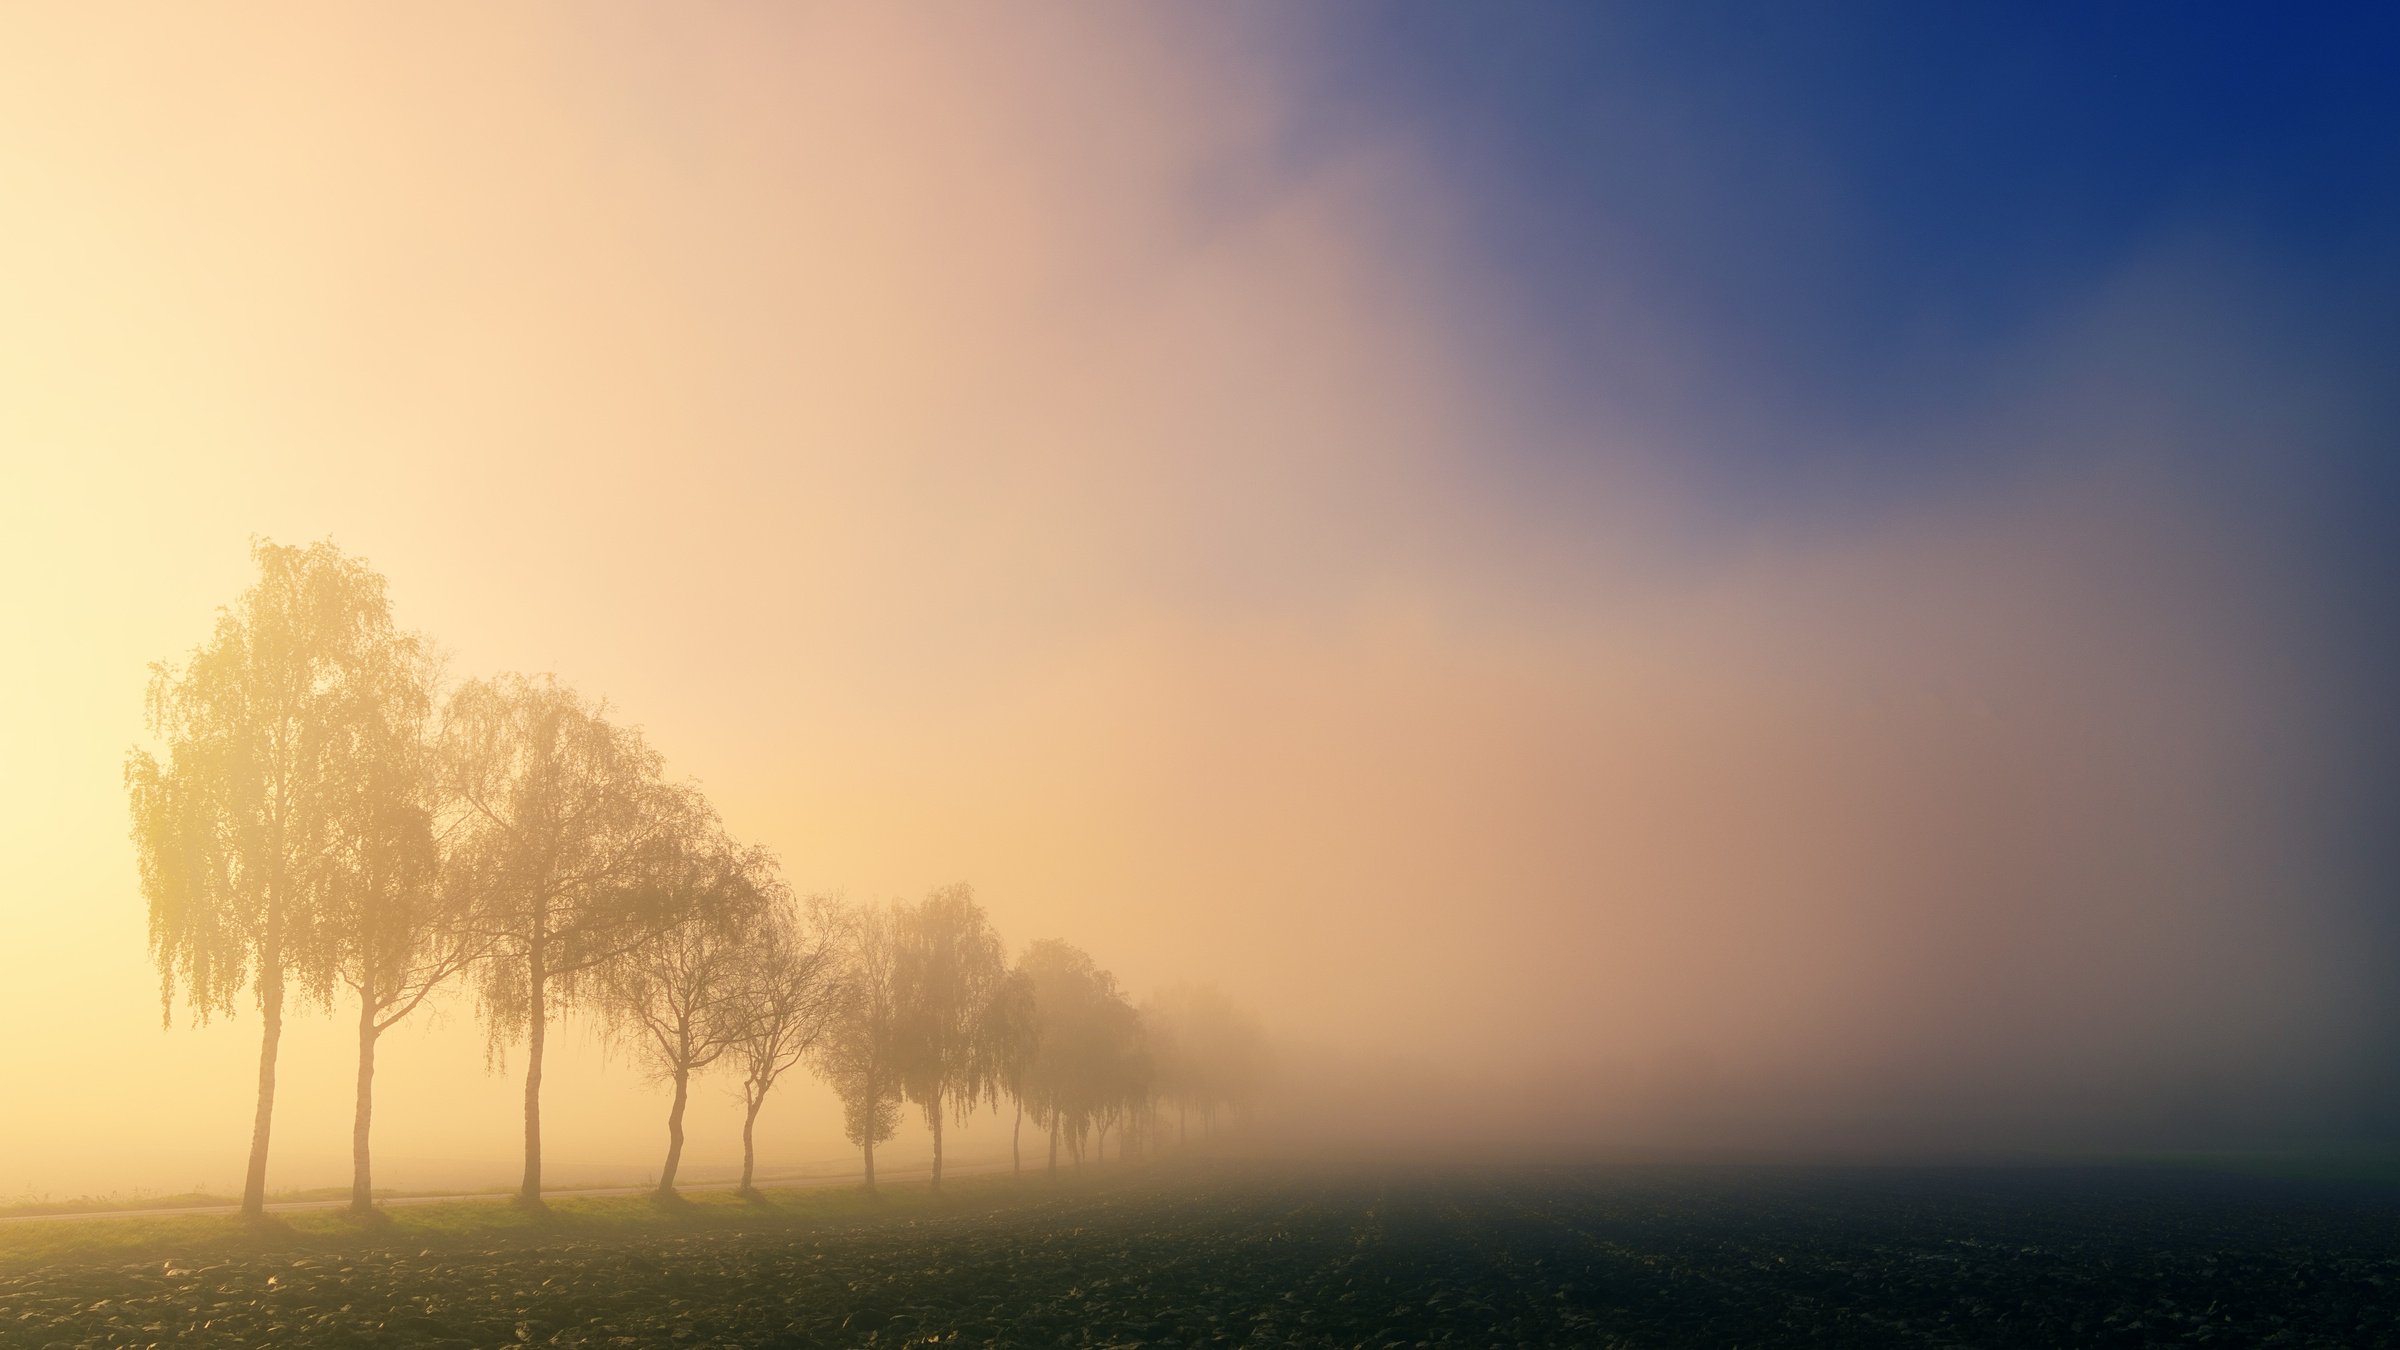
(1911, 244)
(1867, 213)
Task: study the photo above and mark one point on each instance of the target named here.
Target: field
(1249, 1255)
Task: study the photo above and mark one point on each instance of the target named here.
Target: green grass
(187, 1238)
(103, 1204)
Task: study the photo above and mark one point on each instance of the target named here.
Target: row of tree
(319, 819)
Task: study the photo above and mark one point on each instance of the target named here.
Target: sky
(1710, 578)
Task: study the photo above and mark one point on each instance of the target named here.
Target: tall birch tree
(679, 1001)
(569, 827)
(859, 1057)
(951, 968)
(397, 926)
(792, 991)
(237, 818)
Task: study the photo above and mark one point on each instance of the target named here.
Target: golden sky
(975, 448)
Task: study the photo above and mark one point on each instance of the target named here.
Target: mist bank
(1332, 1108)
(1114, 483)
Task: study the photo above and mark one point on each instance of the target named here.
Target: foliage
(395, 927)
(1089, 1065)
(949, 967)
(284, 817)
(570, 839)
(312, 822)
(680, 1000)
(859, 1057)
(790, 990)
(573, 844)
(239, 833)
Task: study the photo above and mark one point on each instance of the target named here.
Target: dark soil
(1588, 1257)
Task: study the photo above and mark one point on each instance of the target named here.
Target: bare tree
(860, 1054)
(569, 828)
(791, 993)
(679, 999)
(951, 965)
(236, 832)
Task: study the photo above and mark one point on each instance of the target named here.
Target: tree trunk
(683, 1092)
(270, 1006)
(937, 1143)
(362, 1189)
(529, 1192)
(1183, 1125)
(870, 1163)
(749, 1128)
(1054, 1145)
(1016, 1156)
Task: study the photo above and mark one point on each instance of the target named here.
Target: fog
(1011, 452)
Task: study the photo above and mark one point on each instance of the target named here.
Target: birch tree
(860, 1055)
(951, 967)
(568, 828)
(678, 1001)
(1088, 1063)
(396, 926)
(236, 819)
(1015, 1042)
(792, 991)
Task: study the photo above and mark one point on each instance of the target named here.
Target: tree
(395, 930)
(678, 999)
(791, 992)
(1057, 973)
(1015, 1041)
(569, 830)
(1087, 1061)
(860, 1055)
(1121, 1078)
(237, 831)
(951, 965)
(1211, 1054)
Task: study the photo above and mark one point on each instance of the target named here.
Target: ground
(1254, 1255)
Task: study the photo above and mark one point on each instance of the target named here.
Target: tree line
(322, 820)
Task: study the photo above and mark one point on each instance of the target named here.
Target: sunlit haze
(1123, 459)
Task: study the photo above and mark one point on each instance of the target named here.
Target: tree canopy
(949, 968)
(275, 796)
(573, 841)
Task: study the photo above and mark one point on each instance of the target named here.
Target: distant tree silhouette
(1015, 1041)
(239, 832)
(1208, 1053)
(679, 1000)
(570, 842)
(950, 968)
(1122, 1088)
(791, 992)
(1088, 1059)
(859, 1056)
